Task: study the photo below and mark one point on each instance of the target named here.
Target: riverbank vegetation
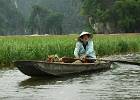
(39, 47)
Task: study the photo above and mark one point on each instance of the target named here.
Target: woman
(84, 47)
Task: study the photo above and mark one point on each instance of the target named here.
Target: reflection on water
(122, 82)
(53, 81)
(42, 81)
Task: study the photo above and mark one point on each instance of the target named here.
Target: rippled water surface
(122, 82)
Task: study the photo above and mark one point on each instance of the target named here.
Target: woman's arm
(76, 51)
(89, 48)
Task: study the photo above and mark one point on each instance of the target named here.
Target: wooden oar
(123, 61)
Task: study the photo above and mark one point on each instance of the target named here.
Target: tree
(54, 23)
(37, 19)
(126, 15)
(96, 11)
(43, 21)
(72, 20)
(123, 15)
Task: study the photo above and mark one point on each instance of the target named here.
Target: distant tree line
(112, 16)
(72, 22)
(40, 21)
(43, 21)
(102, 16)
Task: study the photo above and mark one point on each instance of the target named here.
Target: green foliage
(124, 14)
(98, 9)
(43, 21)
(72, 21)
(19, 19)
(70, 9)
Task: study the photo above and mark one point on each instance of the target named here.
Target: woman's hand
(83, 57)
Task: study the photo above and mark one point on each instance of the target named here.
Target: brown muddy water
(122, 82)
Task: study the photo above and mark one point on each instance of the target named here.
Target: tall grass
(38, 48)
(116, 44)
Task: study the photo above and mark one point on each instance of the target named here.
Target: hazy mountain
(11, 20)
(73, 21)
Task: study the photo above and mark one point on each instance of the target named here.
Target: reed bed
(39, 47)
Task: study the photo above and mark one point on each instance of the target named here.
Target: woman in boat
(84, 48)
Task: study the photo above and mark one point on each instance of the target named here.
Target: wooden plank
(123, 61)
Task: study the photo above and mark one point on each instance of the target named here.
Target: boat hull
(42, 68)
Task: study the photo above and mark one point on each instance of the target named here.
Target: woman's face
(85, 38)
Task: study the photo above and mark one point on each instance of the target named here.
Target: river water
(122, 82)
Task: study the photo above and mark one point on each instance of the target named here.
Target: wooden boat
(43, 68)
